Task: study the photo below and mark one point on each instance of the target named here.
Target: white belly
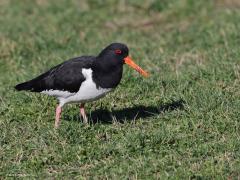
(87, 92)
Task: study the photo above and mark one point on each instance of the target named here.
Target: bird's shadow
(129, 114)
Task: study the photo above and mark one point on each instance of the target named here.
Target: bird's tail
(24, 86)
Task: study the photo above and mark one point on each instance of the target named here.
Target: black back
(66, 76)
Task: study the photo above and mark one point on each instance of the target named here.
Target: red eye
(118, 51)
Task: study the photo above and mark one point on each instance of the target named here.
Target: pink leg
(58, 115)
(82, 111)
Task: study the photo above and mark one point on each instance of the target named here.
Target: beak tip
(146, 75)
(130, 62)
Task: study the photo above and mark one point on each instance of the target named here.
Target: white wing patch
(58, 93)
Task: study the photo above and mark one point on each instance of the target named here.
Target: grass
(181, 123)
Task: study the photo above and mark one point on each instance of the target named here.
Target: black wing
(66, 76)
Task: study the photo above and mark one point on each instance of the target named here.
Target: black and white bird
(83, 79)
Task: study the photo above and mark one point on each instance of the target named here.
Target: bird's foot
(83, 114)
(85, 120)
(58, 115)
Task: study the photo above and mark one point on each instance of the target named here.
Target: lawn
(183, 122)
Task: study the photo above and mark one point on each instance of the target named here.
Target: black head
(115, 52)
(113, 57)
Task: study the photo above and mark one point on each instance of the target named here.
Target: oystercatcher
(83, 79)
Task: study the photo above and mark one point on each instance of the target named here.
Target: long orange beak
(130, 62)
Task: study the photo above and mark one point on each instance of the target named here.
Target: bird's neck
(106, 74)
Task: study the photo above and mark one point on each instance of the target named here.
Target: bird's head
(117, 53)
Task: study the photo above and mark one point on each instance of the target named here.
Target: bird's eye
(118, 51)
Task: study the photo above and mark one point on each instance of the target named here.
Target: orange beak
(130, 62)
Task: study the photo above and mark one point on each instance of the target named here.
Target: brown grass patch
(228, 3)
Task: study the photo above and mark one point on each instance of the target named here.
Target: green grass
(181, 123)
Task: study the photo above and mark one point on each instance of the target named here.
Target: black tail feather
(23, 86)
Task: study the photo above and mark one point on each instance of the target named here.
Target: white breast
(87, 92)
